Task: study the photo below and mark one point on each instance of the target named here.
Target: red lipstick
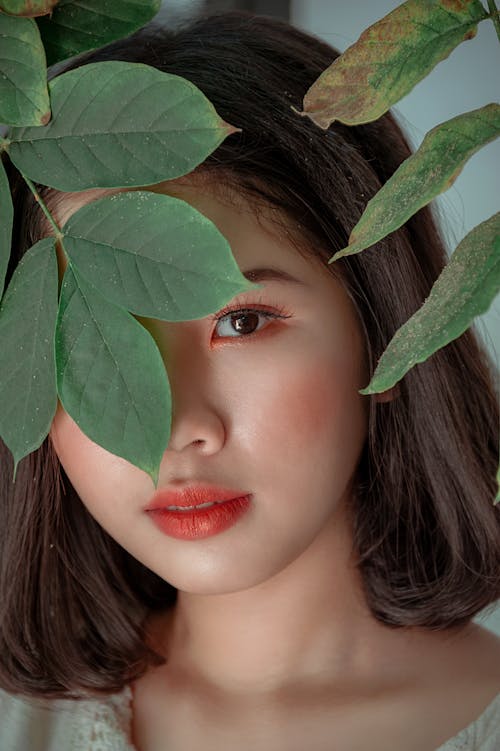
(197, 511)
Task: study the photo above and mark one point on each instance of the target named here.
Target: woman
(332, 604)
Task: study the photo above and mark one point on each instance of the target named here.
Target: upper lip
(194, 495)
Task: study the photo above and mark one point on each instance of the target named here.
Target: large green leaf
(27, 7)
(24, 97)
(6, 219)
(27, 365)
(111, 378)
(465, 289)
(121, 245)
(431, 170)
(78, 25)
(118, 124)
(389, 59)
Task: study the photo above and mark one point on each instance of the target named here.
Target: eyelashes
(236, 310)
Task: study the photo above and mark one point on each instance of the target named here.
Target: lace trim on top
(73, 725)
(106, 725)
(482, 734)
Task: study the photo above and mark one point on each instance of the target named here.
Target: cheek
(308, 411)
(313, 400)
(72, 446)
(315, 406)
(88, 466)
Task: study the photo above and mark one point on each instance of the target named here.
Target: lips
(193, 496)
(198, 511)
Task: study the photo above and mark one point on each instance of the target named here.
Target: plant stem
(44, 208)
(495, 16)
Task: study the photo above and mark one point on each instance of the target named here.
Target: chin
(211, 581)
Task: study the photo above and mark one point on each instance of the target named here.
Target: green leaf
(24, 98)
(465, 289)
(79, 25)
(120, 245)
(118, 124)
(6, 219)
(389, 59)
(111, 378)
(431, 170)
(27, 7)
(27, 366)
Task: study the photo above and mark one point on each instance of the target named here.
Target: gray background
(464, 81)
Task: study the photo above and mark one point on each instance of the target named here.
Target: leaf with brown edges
(389, 59)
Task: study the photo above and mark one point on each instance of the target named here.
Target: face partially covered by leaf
(159, 257)
(121, 125)
(154, 255)
(110, 375)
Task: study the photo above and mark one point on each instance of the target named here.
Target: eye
(237, 323)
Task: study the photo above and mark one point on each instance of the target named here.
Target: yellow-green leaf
(27, 7)
(465, 289)
(389, 59)
(431, 170)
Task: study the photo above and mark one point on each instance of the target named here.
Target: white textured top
(104, 725)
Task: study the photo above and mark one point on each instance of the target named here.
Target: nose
(197, 422)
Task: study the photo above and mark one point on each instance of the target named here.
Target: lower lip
(194, 525)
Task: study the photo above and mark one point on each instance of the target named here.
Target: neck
(307, 625)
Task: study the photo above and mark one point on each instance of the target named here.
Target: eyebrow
(268, 274)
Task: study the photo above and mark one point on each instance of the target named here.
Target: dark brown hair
(425, 528)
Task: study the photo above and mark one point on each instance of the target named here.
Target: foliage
(27, 367)
(126, 125)
(389, 58)
(113, 125)
(117, 124)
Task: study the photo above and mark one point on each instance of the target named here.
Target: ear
(389, 395)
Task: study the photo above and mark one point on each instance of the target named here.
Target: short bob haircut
(425, 528)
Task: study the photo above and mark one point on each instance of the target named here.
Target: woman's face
(276, 413)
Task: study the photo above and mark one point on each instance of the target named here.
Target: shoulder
(463, 691)
(75, 725)
(483, 734)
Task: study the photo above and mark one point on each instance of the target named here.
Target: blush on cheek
(314, 406)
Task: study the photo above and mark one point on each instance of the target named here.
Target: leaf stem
(495, 16)
(59, 234)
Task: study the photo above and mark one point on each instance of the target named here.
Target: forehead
(259, 234)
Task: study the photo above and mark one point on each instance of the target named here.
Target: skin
(271, 615)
